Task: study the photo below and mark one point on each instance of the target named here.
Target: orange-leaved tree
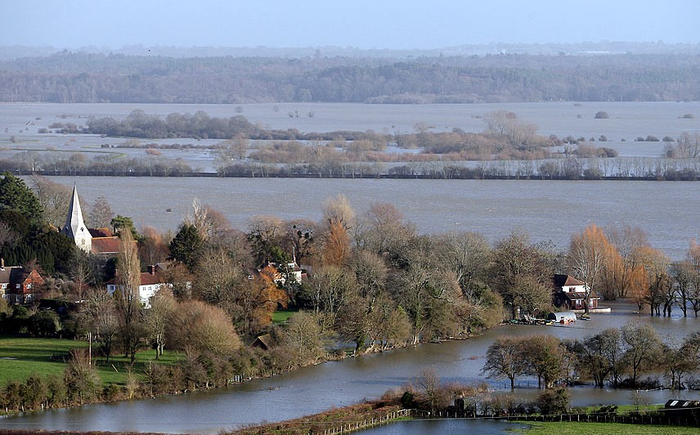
(589, 253)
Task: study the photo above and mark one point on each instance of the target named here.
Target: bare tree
(429, 388)
(54, 198)
(371, 273)
(545, 356)
(101, 315)
(506, 124)
(304, 338)
(338, 210)
(128, 279)
(504, 359)
(643, 347)
(600, 356)
(383, 230)
(467, 255)
(157, 318)
(101, 213)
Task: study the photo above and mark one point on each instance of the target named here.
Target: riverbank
(370, 414)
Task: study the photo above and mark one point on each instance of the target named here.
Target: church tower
(75, 227)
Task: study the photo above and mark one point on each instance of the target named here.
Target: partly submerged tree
(504, 359)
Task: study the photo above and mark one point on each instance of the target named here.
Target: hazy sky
(357, 23)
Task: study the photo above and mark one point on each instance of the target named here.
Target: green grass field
(621, 409)
(23, 357)
(604, 429)
(281, 316)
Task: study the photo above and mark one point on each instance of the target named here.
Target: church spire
(75, 227)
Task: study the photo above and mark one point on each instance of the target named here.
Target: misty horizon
(360, 25)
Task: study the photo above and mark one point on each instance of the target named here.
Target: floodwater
(547, 210)
(628, 120)
(452, 426)
(314, 389)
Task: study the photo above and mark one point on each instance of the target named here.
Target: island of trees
(508, 148)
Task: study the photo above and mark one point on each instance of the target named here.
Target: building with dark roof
(570, 293)
(19, 285)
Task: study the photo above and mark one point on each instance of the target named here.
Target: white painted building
(151, 282)
(75, 227)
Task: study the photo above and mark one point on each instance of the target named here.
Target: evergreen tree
(120, 223)
(186, 246)
(15, 195)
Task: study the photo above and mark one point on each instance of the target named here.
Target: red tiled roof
(106, 245)
(150, 279)
(146, 279)
(100, 232)
(566, 281)
(570, 280)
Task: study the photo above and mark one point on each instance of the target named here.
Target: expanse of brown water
(547, 210)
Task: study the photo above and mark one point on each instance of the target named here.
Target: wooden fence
(345, 428)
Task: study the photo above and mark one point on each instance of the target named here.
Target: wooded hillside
(85, 78)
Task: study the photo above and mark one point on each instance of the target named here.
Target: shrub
(593, 174)
(601, 115)
(606, 152)
(553, 401)
(408, 401)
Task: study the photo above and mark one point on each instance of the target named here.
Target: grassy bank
(560, 428)
(23, 357)
(20, 357)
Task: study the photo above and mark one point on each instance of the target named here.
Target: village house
(570, 293)
(292, 271)
(18, 285)
(150, 283)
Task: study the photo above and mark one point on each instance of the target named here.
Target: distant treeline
(90, 78)
(561, 169)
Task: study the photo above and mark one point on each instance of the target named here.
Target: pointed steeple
(75, 227)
